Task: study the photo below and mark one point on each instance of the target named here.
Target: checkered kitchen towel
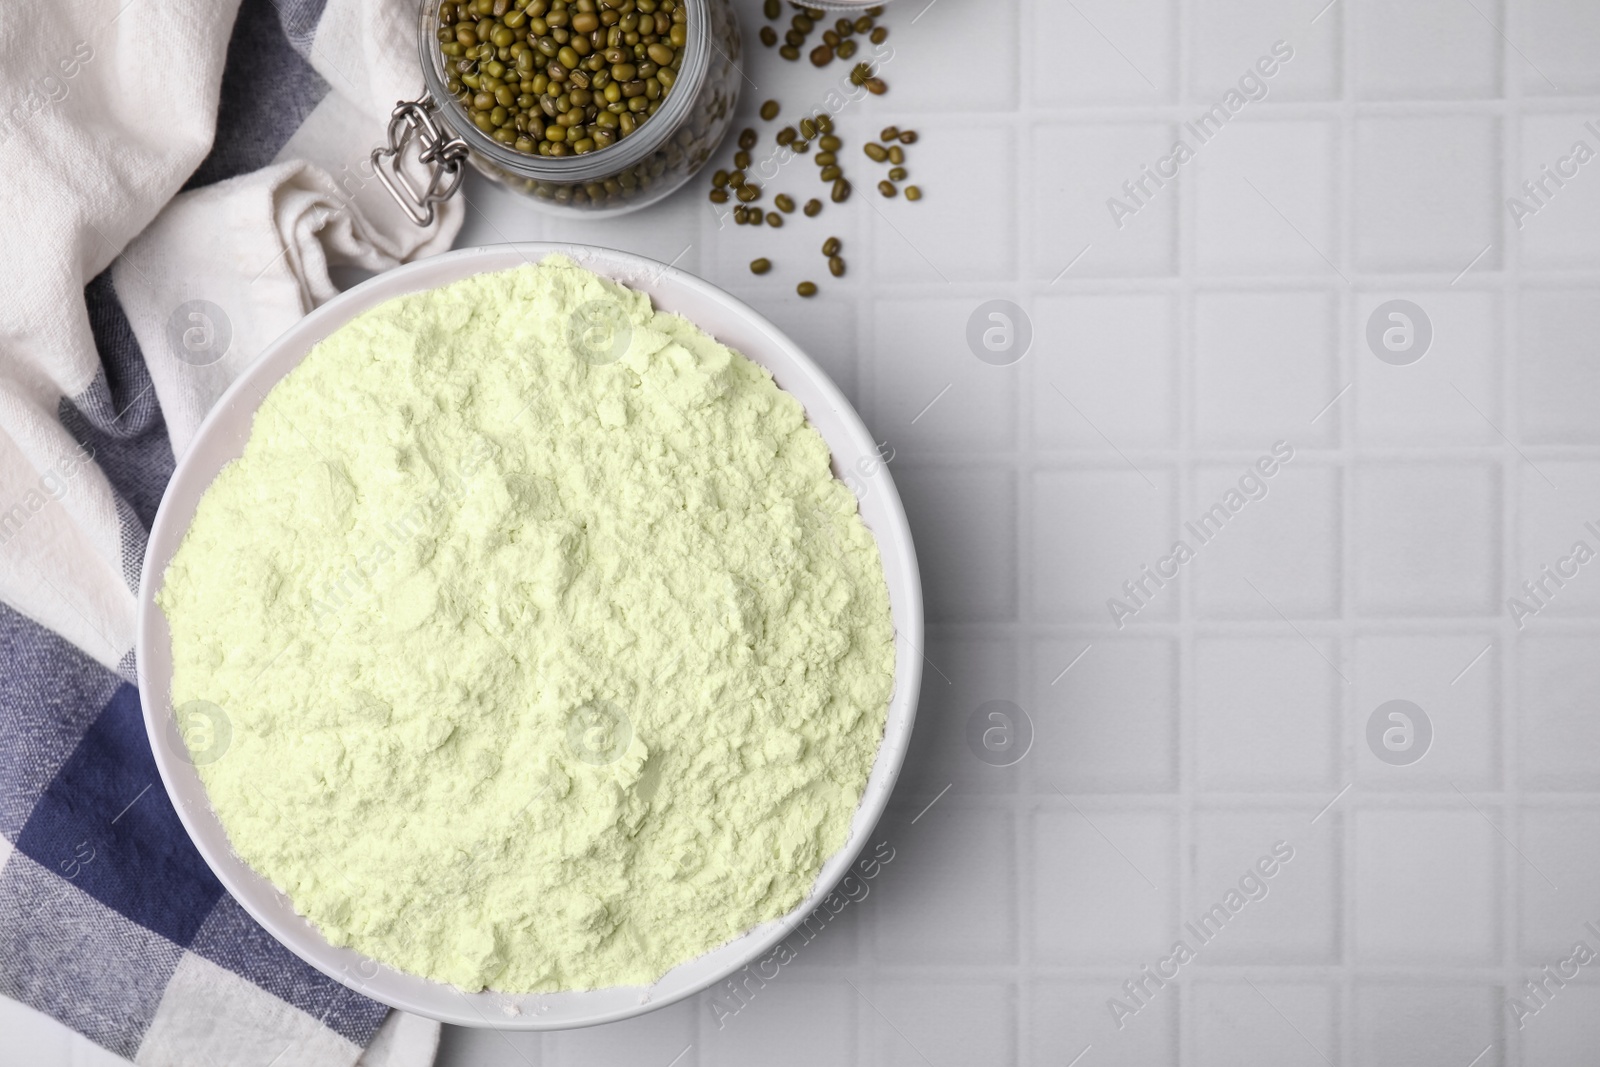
(179, 177)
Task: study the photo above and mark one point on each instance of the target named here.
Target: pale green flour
(543, 670)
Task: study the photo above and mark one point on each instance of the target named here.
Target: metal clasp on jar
(442, 154)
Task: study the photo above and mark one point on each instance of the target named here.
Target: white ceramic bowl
(222, 437)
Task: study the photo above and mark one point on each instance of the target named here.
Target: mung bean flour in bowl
(513, 650)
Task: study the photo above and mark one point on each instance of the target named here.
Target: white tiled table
(1228, 313)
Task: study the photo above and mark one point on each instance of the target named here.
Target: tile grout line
(1347, 750)
(1510, 141)
(1182, 497)
(1024, 810)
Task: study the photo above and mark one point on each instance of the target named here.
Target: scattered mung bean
(813, 208)
(831, 246)
(897, 155)
(897, 174)
(806, 289)
(887, 188)
(784, 202)
(760, 266)
(875, 151)
(769, 36)
(836, 266)
(747, 138)
(772, 9)
(908, 136)
(841, 191)
(913, 193)
(769, 110)
(774, 219)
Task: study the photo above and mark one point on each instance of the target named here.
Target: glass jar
(666, 150)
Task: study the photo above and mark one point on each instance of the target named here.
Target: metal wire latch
(442, 154)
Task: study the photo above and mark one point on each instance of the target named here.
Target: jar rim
(598, 165)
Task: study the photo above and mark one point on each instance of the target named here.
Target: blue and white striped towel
(179, 177)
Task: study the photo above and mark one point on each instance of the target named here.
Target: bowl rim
(268, 905)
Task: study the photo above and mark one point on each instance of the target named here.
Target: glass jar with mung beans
(598, 107)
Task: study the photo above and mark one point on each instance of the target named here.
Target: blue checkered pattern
(104, 901)
(104, 893)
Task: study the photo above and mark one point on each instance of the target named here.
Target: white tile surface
(1078, 565)
(1453, 394)
(1230, 35)
(955, 877)
(1104, 372)
(1428, 51)
(1071, 1017)
(957, 404)
(1281, 553)
(1106, 715)
(962, 674)
(1557, 730)
(1455, 679)
(1557, 156)
(1435, 1025)
(971, 516)
(1185, 342)
(1081, 169)
(1430, 538)
(1556, 879)
(1558, 41)
(1264, 368)
(1426, 193)
(932, 240)
(1265, 200)
(1425, 885)
(779, 1027)
(1559, 388)
(1104, 884)
(954, 1022)
(1300, 919)
(1265, 713)
(1104, 51)
(1265, 1025)
(1562, 1027)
